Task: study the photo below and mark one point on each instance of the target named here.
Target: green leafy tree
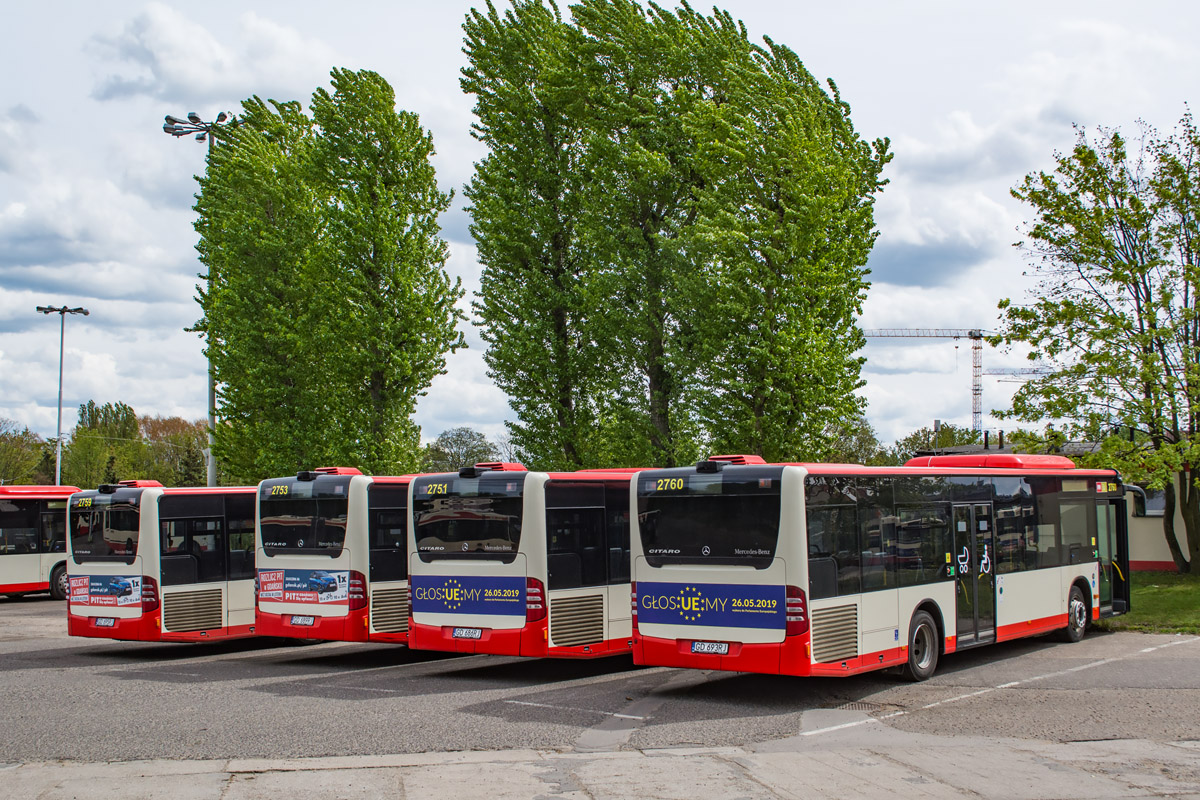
(654, 182)
(20, 453)
(112, 443)
(330, 310)
(1114, 242)
(529, 202)
(457, 448)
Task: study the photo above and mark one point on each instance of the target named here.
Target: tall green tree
(330, 310)
(784, 228)
(20, 453)
(1114, 241)
(529, 206)
(632, 325)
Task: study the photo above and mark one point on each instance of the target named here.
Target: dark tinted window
(727, 517)
(474, 518)
(239, 535)
(834, 558)
(387, 523)
(298, 516)
(54, 527)
(923, 538)
(877, 533)
(616, 514)
(576, 551)
(19, 526)
(104, 527)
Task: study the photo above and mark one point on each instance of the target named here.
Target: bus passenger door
(1106, 534)
(975, 573)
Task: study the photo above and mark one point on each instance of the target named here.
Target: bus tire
(1077, 616)
(60, 584)
(922, 647)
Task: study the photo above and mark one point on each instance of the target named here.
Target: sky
(96, 202)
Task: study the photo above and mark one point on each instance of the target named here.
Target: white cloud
(173, 58)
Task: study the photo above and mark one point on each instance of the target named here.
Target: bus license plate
(105, 622)
(302, 620)
(718, 648)
(468, 633)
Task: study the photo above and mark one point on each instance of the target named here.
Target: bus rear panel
(510, 562)
(838, 569)
(153, 564)
(332, 558)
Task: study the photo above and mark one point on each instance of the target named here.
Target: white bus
(332, 562)
(33, 553)
(148, 563)
(511, 562)
(838, 569)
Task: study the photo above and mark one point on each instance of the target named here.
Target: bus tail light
(797, 611)
(633, 604)
(357, 591)
(149, 594)
(535, 600)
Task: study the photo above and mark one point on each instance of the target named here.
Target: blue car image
(322, 582)
(120, 586)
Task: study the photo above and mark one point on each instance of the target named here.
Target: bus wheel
(60, 584)
(922, 647)
(1077, 616)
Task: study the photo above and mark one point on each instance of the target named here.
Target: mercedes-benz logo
(300, 543)
(706, 550)
(465, 547)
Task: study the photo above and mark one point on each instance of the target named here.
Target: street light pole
(62, 332)
(205, 131)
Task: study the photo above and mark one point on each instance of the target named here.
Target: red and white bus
(837, 569)
(148, 563)
(332, 562)
(33, 553)
(511, 562)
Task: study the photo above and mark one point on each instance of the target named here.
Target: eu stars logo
(454, 594)
(690, 603)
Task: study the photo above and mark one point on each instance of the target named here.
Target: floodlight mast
(204, 131)
(62, 329)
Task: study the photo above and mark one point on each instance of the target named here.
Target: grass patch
(1163, 602)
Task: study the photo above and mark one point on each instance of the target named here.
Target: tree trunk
(1181, 563)
(1191, 519)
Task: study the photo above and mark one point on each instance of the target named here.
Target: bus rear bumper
(350, 628)
(529, 641)
(144, 628)
(789, 657)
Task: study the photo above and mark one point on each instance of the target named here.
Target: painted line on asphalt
(571, 708)
(989, 690)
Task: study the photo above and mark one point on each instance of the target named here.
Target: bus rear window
(303, 517)
(728, 517)
(472, 518)
(104, 527)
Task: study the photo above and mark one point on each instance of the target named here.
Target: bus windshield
(458, 517)
(104, 527)
(727, 517)
(304, 517)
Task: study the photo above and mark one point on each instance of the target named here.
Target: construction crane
(974, 334)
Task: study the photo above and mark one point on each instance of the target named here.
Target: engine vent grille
(193, 611)
(577, 620)
(389, 610)
(834, 634)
